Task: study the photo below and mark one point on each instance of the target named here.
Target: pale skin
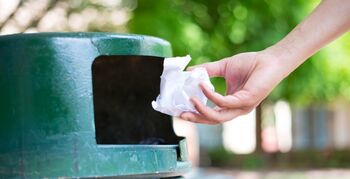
(251, 76)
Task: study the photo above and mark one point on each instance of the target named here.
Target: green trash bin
(79, 105)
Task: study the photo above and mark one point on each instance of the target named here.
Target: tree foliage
(211, 30)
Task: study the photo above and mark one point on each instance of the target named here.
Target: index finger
(218, 99)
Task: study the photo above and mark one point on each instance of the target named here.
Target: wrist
(281, 58)
(281, 53)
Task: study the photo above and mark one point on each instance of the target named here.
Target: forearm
(328, 21)
(250, 77)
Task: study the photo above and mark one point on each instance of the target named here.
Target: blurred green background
(316, 96)
(212, 30)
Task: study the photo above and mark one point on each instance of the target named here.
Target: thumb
(214, 69)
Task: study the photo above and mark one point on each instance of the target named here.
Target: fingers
(215, 115)
(205, 117)
(214, 69)
(218, 99)
(196, 118)
(204, 110)
(229, 114)
(240, 99)
(229, 107)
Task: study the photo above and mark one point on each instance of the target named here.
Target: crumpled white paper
(178, 86)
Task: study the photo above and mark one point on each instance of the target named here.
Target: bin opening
(123, 89)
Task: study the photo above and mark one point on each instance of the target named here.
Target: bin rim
(83, 35)
(144, 44)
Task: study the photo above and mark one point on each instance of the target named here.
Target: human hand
(250, 77)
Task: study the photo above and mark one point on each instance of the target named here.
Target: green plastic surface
(46, 109)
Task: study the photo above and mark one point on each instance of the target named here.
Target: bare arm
(251, 76)
(328, 21)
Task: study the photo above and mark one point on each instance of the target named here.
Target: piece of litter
(178, 86)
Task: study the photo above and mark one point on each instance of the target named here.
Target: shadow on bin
(79, 105)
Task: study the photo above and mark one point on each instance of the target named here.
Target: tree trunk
(258, 119)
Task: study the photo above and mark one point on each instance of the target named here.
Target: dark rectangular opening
(123, 89)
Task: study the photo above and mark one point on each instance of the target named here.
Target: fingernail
(192, 99)
(202, 85)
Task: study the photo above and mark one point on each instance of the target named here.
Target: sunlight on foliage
(212, 30)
